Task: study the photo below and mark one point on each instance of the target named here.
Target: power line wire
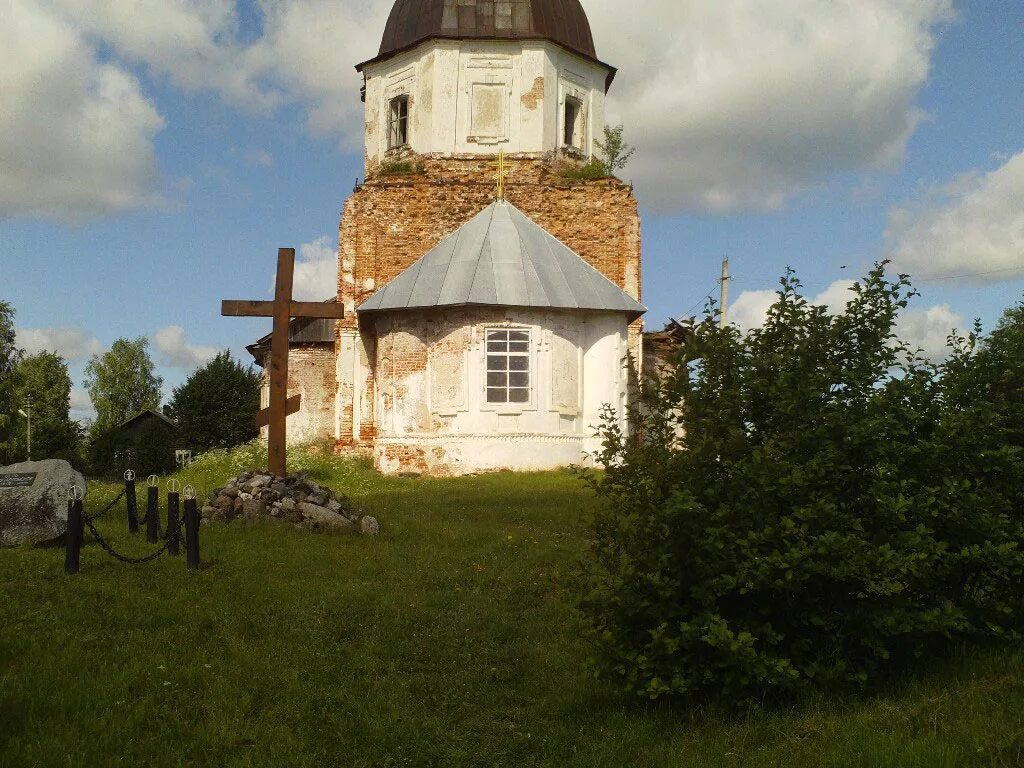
(708, 295)
(973, 274)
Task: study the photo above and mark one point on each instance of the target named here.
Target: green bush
(808, 505)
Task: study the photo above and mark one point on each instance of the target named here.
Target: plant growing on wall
(400, 168)
(616, 152)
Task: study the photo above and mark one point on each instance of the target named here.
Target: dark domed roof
(562, 21)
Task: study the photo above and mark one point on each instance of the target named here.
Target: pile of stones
(295, 499)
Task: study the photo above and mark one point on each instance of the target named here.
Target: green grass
(450, 640)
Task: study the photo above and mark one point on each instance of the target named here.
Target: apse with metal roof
(503, 258)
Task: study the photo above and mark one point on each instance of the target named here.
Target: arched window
(398, 122)
(573, 126)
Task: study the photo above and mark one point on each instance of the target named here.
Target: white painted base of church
(451, 400)
(454, 455)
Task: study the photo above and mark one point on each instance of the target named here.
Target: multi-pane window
(573, 134)
(398, 122)
(508, 366)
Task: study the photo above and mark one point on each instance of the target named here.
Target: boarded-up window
(448, 371)
(489, 106)
(565, 372)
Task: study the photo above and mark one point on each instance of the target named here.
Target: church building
(492, 297)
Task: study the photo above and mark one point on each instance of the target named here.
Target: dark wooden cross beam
(282, 309)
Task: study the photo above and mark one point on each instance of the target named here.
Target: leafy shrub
(804, 506)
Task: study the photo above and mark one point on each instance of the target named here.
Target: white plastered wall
(478, 97)
(439, 405)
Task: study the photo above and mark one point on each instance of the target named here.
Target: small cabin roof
(147, 415)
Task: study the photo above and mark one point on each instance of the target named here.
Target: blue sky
(832, 134)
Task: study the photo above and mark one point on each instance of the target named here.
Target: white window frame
(519, 353)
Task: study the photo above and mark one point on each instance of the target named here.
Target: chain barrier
(171, 538)
(109, 507)
(124, 558)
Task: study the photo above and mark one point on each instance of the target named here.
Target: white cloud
(924, 329)
(172, 342)
(928, 329)
(72, 343)
(836, 296)
(316, 271)
(751, 308)
(310, 49)
(740, 104)
(75, 134)
(81, 405)
(305, 55)
(973, 225)
(734, 105)
(193, 42)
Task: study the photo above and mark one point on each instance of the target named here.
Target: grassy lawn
(450, 640)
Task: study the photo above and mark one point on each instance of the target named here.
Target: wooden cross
(282, 309)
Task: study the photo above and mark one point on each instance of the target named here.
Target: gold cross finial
(502, 174)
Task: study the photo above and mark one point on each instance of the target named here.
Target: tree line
(215, 408)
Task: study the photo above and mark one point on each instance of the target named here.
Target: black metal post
(192, 534)
(73, 537)
(173, 522)
(133, 506)
(152, 515)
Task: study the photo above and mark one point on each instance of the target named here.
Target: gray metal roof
(501, 257)
(301, 330)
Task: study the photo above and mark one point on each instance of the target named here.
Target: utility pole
(723, 316)
(28, 415)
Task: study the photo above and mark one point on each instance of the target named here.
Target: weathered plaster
(432, 411)
(476, 97)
